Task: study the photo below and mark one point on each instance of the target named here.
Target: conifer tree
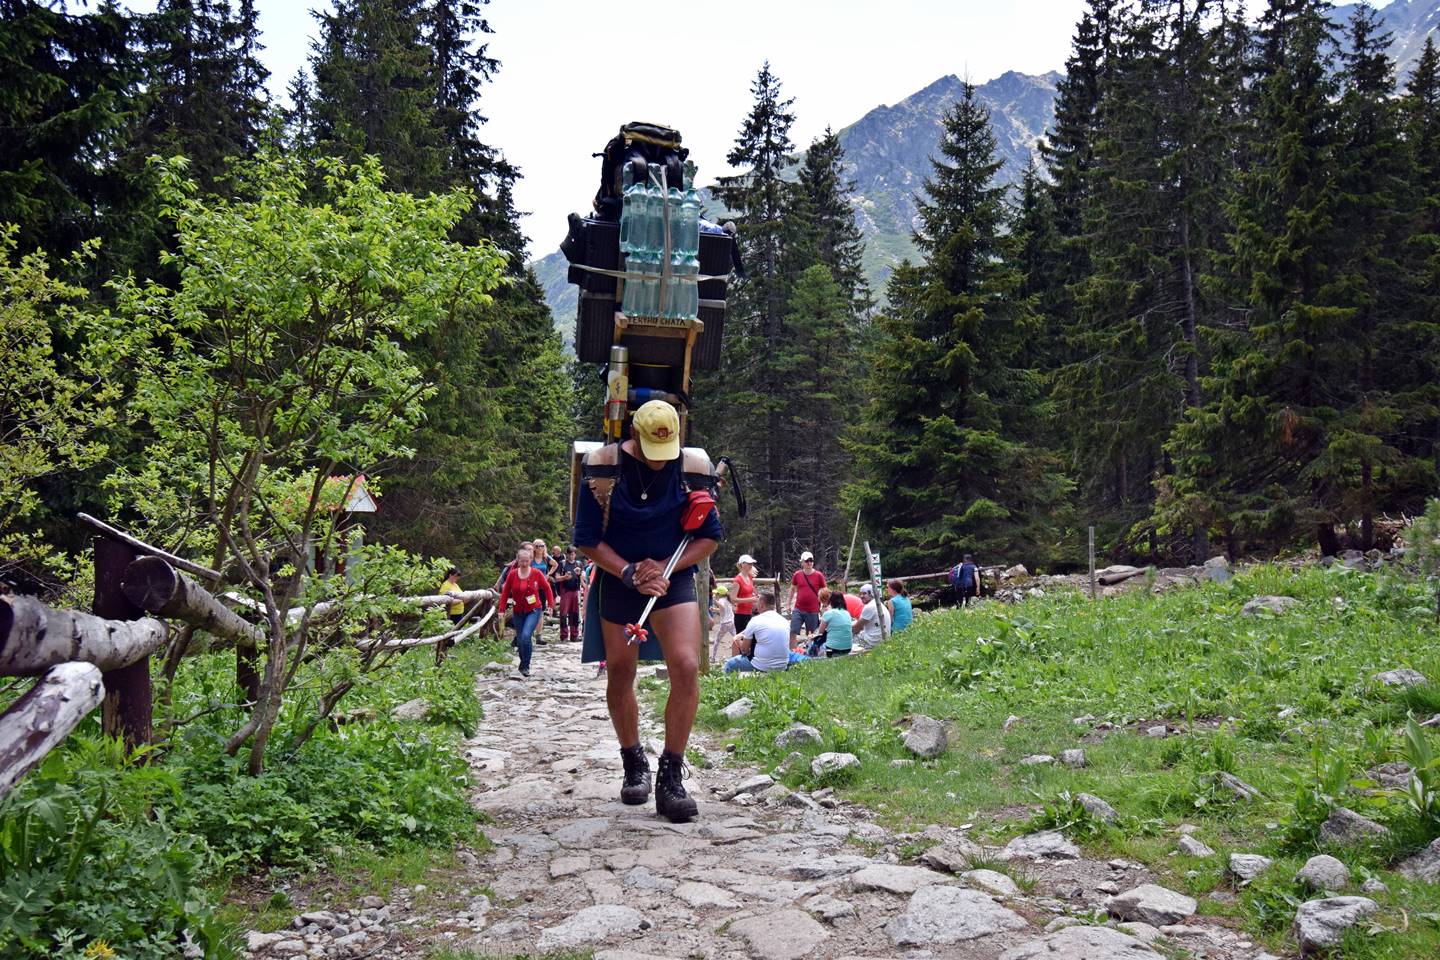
(825, 230)
(945, 467)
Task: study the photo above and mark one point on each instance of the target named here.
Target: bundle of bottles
(648, 206)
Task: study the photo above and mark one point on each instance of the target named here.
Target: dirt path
(774, 877)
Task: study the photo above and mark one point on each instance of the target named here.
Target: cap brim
(659, 449)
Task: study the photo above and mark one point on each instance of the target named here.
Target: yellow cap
(657, 427)
(721, 590)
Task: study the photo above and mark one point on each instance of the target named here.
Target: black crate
(594, 327)
(707, 348)
(714, 261)
(599, 247)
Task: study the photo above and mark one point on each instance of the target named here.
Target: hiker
(567, 580)
(837, 627)
(525, 585)
(724, 617)
(902, 613)
(965, 580)
(766, 638)
(451, 584)
(805, 587)
(744, 591)
(867, 626)
(631, 539)
(541, 560)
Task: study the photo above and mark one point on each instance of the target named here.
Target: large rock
(992, 882)
(1194, 847)
(1345, 827)
(1403, 677)
(1217, 570)
(1047, 845)
(956, 856)
(926, 737)
(787, 935)
(1423, 866)
(1248, 866)
(755, 786)
(1323, 872)
(1274, 605)
(1320, 924)
(797, 735)
(739, 709)
(1082, 943)
(416, 709)
(833, 764)
(1153, 904)
(943, 915)
(1073, 758)
(591, 925)
(894, 878)
(1097, 808)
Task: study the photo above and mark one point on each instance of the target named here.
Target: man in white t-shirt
(767, 637)
(867, 627)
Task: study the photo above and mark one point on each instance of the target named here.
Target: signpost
(876, 579)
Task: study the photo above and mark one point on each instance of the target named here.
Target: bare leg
(679, 630)
(620, 658)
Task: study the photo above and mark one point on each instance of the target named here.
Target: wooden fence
(102, 658)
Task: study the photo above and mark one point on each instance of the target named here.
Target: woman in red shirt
(744, 592)
(526, 586)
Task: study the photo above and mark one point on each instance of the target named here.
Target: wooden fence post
(126, 709)
(1092, 562)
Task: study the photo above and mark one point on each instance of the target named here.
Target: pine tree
(945, 466)
(1252, 463)
(747, 399)
(825, 229)
(69, 83)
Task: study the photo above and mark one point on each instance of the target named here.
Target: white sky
(571, 72)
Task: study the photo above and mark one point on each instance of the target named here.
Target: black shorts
(620, 604)
(742, 620)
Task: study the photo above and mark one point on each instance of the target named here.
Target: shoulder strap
(600, 469)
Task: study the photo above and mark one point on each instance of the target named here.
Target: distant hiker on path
(451, 584)
(526, 587)
(744, 591)
(567, 577)
(901, 612)
(540, 559)
(965, 580)
(630, 539)
(805, 587)
(767, 640)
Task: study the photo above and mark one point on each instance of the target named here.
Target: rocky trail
(764, 873)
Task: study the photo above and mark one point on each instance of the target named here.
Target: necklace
(640, 479)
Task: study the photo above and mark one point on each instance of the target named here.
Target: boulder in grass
(1403, 677)
(1046, 845)
(739, 709)
(1248, 866)
(1345, 827)
(829, 765)
(926, 737)
(1323, 872)
(1097, 808)
(1195, 848)
(797, 735)
(1423, 866)
(1271, 605)
(1320, 924)
(416, 709)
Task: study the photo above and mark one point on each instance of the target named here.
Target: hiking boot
(636, 787)
(671, 800)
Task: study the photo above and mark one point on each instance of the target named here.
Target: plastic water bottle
(650, 297)
(632, 212)
(687, 242)
(634, 286)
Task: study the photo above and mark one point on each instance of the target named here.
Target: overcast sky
(574, 70)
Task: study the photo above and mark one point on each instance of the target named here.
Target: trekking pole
(696, 510)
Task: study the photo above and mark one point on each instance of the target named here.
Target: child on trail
(724, 623)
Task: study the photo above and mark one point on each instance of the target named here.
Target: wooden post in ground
(126, 709)
(850, 554)
(1092, 562)
(875, 584)
(702, 589)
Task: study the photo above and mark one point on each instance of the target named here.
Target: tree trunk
(37, 722)
(34, 638)
(128, 706)
(154, 586)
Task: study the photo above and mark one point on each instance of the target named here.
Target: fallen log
(324, 608)
(37, 722)
(34, 638)
(455, 635)
(155, 586)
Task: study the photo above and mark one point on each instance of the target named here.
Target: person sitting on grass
(835, 627)
(767, 638)
(901, 612)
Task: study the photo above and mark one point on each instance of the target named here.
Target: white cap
(807, 555)
(866, 588)
(745, 558)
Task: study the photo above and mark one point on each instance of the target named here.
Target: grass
(1286, 703)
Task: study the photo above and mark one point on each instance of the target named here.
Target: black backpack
(638, 144)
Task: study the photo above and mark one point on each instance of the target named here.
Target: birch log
(34, 638)
(37, 722)
(324, 608)
(156, 587)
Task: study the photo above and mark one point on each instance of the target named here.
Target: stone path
(760, 876)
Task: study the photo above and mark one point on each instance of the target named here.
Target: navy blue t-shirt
(647, 529)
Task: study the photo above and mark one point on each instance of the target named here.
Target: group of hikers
(823, 622)
(635, 509)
